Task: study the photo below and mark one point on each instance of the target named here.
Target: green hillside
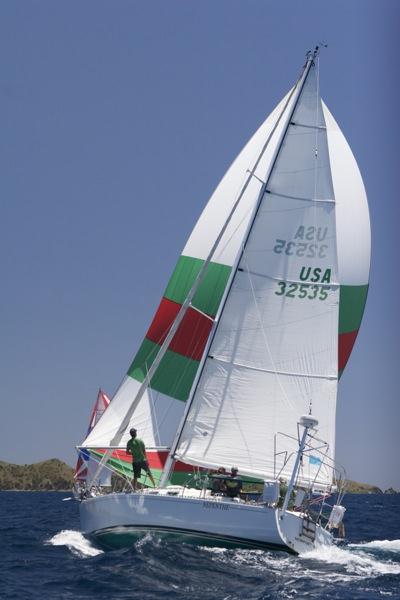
(354, 487)
(50, 474)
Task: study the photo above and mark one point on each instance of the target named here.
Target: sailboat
(86, 464)
(240, 365)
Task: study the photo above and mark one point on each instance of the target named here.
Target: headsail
(159, 412)
(274, 355)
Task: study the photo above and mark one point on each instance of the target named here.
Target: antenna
(314, 53)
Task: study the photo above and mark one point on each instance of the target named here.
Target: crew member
(137, 449)
(218, 483)
(233, 484)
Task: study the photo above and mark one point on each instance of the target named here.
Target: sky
(118, 119)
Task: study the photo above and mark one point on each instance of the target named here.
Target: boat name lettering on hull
(216, 505)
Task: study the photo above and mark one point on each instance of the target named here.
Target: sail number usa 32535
(310, 290)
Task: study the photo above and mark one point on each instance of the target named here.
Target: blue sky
(117, 121)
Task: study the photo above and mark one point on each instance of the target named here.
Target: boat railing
(327, 482)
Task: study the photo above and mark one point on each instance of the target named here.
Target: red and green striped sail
(178, 368)
(121, 463)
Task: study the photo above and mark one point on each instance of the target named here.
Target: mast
(308, 422)
(296, 91)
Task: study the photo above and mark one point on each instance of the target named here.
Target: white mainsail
(274, 355)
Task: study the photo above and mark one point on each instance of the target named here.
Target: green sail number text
(296, 290)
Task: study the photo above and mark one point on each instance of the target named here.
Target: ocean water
(43, 556)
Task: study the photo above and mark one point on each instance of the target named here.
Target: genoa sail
(291, 315)
(162, 406)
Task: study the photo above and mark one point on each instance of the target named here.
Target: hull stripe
(142, 529)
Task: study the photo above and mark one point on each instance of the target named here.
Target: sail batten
(274, 371)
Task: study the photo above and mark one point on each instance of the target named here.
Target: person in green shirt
(137, 449)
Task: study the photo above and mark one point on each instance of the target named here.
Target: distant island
(56, 475)
(49, 475)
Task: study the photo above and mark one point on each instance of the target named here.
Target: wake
(360, 559)
(382, 545)
(75, 542)
(333, 563)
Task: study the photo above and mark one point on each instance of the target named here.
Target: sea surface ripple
(43, 556)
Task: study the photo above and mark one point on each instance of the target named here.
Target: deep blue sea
(43, 556)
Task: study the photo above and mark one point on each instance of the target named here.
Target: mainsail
(276, 353)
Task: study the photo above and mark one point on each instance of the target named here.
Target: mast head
(308, 421)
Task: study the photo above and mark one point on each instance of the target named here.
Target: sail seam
(321, 127)
(273, 371)
(327, 201)
(298, 281)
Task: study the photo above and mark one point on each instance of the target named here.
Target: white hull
(116, 520)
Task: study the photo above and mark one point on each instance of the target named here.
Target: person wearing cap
(233, 484)
(137, 449)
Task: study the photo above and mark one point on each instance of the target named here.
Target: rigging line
(152, 417)
(201, 312)
(314, 208)
(235, 230)
(285, 396)
(182, 374)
